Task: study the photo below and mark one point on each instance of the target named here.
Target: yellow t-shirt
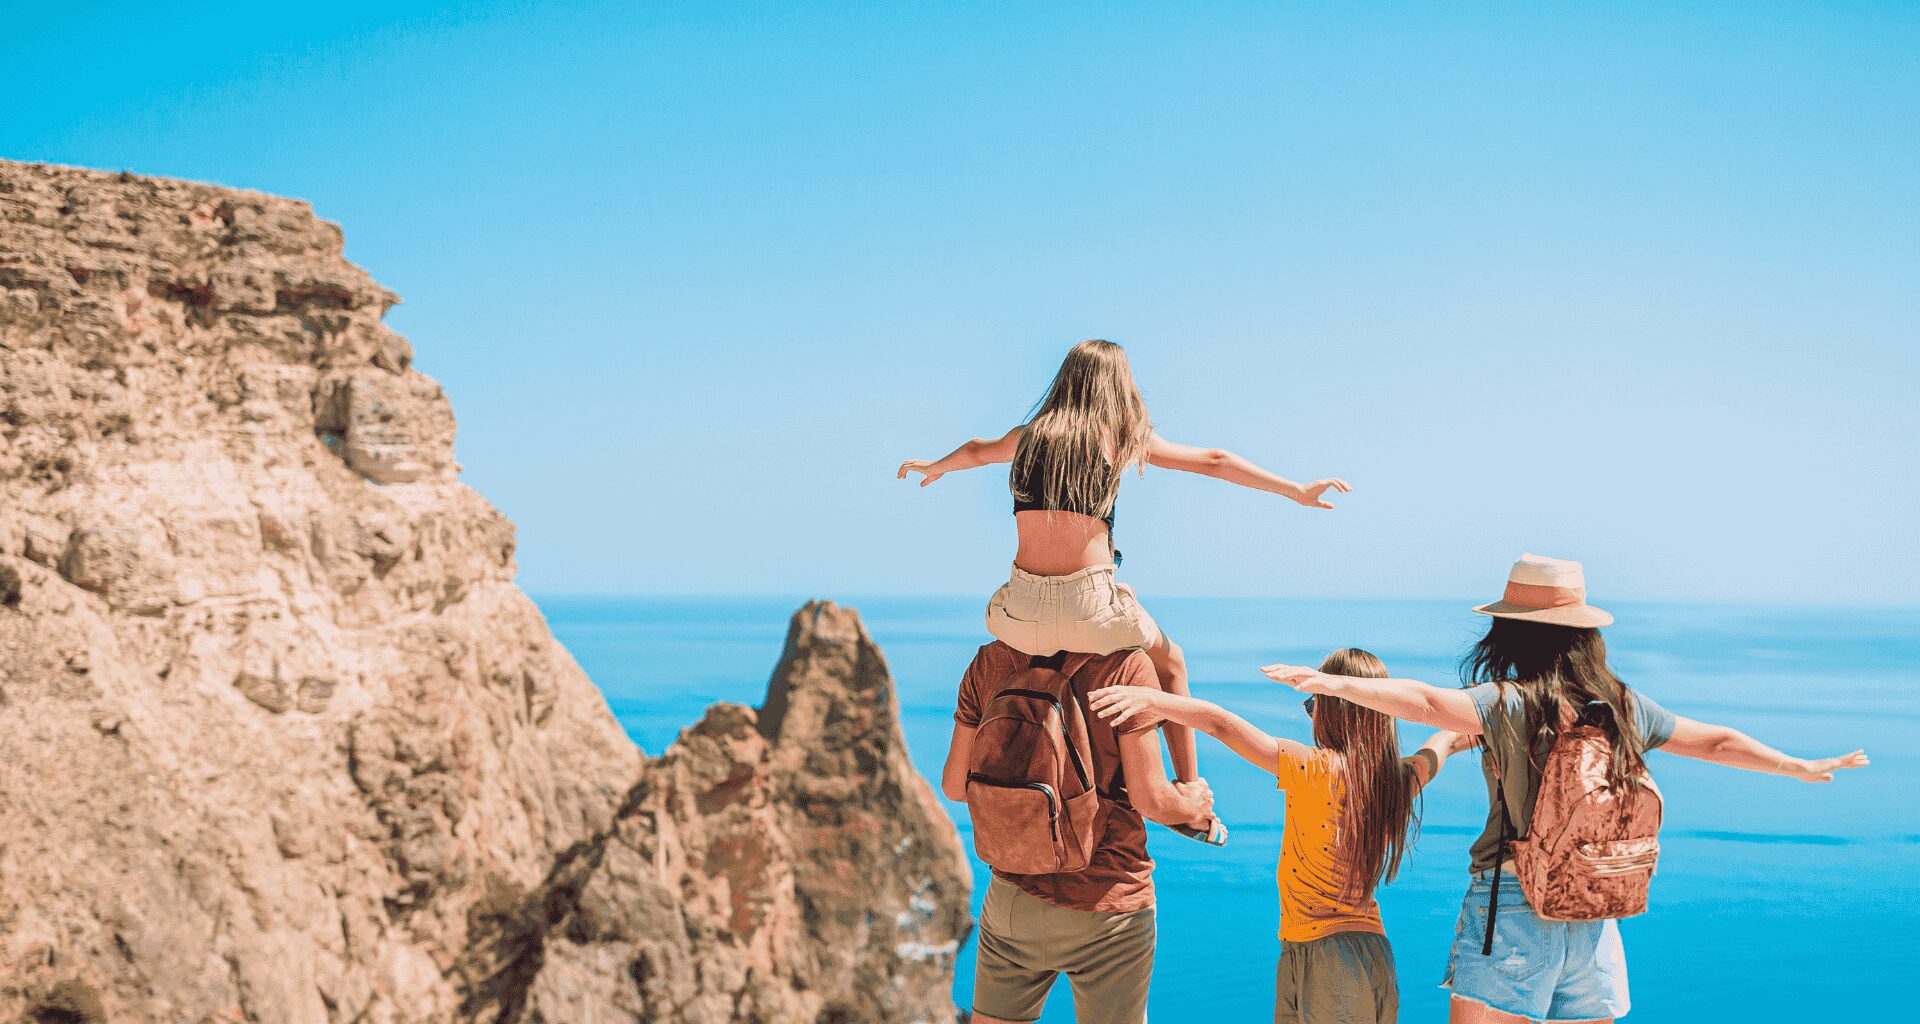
(1310, 877)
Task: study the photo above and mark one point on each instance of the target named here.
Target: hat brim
(1579, 616)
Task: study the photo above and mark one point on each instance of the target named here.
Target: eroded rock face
(282, 741)
(785, 865)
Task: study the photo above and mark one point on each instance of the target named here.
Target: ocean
(1775, 900)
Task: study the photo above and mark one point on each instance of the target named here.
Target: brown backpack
(1590, 851)
(1030, 787)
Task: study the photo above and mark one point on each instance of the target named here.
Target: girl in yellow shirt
(1351, 802)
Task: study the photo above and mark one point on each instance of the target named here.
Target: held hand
(1302, 678)
(1822, 769)
(1310, 497)
(1121, 704)
(1199, 791)
(921, 466)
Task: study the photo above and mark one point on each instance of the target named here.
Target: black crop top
(1025, 484)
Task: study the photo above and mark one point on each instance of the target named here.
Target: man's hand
(1200, 795)
(920, 466)
(1142, 705)
(1310, 494)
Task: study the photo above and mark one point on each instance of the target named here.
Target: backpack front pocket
(1619, 856)
(1080, 827)
(1599, 880)
(1024, 838)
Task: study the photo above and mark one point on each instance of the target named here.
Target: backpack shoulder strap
(1488, 743)
(1071, 708)
(1502, 726)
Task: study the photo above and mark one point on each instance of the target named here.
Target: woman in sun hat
(1540, 695)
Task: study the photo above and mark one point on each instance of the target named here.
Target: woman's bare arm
(1146, 705)
(1222, 464)
(1441, 745)
(1721, 744)
(1415, 701)
(977, 452)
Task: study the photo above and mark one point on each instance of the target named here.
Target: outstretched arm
(1143, 705)
(977, 452)
(1438, 747)
(1415, 701)
(1222, 464)
(1726, 745)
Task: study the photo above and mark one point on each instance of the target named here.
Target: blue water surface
(1775, 900)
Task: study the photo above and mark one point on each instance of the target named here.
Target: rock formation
(280, 741)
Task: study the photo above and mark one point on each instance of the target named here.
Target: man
(1096, 926)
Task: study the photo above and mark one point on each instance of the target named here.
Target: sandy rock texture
(280, 740)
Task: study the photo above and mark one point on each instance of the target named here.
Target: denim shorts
(1541, 970)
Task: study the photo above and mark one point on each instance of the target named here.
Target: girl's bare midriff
(1060, 543)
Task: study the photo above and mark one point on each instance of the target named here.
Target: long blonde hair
(1090, 426)
(1381, 813)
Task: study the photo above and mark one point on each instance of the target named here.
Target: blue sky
(1632, 283)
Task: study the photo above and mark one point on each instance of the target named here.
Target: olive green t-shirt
(1503, 735)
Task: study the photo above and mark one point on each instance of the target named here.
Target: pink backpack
(1589, 852)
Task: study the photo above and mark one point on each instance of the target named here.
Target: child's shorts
(1541, 970)
(1343, 978)
(1086, 612)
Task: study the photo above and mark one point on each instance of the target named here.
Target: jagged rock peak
(285, 744)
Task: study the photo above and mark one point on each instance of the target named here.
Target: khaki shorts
(1026, 943)
(1086, 612)
(1343, 978)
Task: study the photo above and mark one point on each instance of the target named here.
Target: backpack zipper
(1053, 808)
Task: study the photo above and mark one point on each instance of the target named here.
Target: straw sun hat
(1551, 590)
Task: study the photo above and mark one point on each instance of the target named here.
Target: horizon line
(1466, 603)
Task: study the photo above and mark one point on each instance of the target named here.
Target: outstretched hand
(921, 466)
(1822, 769)
(1310, 496)
(1300, 677)
(1121, 704)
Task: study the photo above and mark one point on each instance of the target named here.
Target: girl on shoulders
(1067, 460)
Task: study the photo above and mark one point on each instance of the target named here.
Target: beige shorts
(1086, 612)
(1026, 944)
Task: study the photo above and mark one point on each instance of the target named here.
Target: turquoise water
(1776, 900)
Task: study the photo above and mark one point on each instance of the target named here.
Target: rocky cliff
(280, 741)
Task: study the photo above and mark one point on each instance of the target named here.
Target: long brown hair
(1559, 668)
(1090, 426)
(1380, 817)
